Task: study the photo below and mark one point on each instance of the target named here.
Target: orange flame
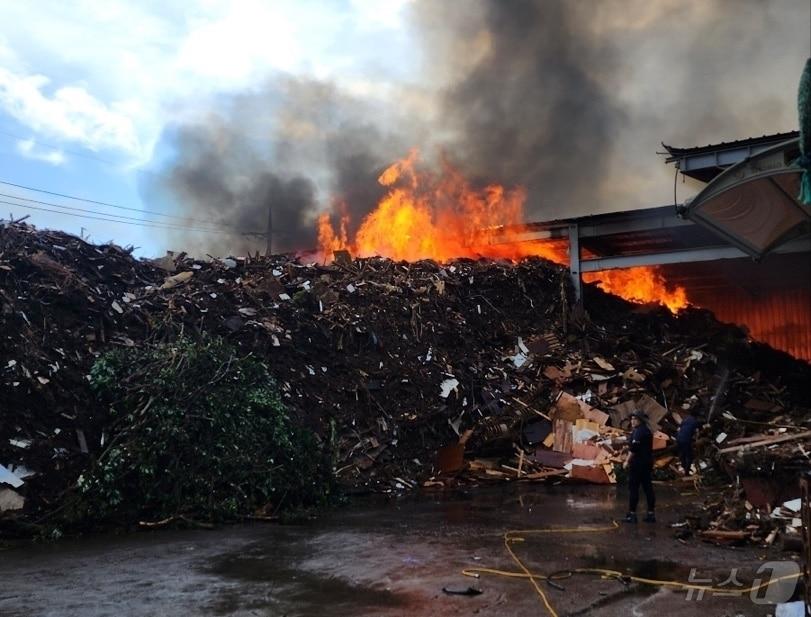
(442, 218)
(641, 284)
(328, 240)
(424, 217)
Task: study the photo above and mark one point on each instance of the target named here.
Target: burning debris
(430, 373)
(423, 216)
(641, 284)
(440, 218)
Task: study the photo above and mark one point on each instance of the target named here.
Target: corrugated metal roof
(617, 216)
(676, 152)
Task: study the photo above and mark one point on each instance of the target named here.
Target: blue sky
(87, 87)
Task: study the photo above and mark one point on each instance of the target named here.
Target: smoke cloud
(232, 184)
(568, 98)
(531, 111)
(572, 98)
(292, 148)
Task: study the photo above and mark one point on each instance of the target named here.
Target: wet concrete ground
(382, 559)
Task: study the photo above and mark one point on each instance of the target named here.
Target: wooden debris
(363, 345)
(767, 442)
(563, 436)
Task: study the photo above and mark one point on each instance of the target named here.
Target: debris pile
(731, 518)
(431, 374)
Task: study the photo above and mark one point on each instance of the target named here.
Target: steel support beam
(648, 223)
(574, 262)
(527, 236)
(591, 229)
(596, 230)
(720, 158)
(674, 257)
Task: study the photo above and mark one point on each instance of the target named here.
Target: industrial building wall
(781, 319)
(772, 299)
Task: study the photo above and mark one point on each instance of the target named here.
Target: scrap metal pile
(431, 374)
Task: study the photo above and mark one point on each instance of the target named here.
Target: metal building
(741, 247)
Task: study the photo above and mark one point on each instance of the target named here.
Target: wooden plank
(563, 436)
(550, 458)
(751, 439)
(719, 534)
(588, 425)
(523, 404)
(767, 442)
(595, 475)
(545, 474)
(660, 440)
(663, 461)
(567, 407)
(654, 410)
(619, 413)
(760, 405)
(595, 415)
(586, 451)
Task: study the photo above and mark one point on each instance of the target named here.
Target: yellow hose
(514, 536)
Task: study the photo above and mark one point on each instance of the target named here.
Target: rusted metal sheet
(760, 492)
(771, 298)
(781, 318)
(451, 459)
(763, 492)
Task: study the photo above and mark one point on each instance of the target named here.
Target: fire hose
(516, 536)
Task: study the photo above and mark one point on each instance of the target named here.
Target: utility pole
(574, 262)
(269, 234)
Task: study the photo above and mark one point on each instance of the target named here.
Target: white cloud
(70, 113)
(237, 45)
(29, 149)
(111, 74)
(380, 13)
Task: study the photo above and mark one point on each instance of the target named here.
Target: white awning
(753, 204)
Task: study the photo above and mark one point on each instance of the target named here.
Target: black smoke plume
(531, 110)
(293, 147)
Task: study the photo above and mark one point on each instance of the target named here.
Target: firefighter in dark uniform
(640, 467)
(684, 440)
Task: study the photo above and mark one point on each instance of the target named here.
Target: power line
(118, 216)
(104, 203)
(137, 224)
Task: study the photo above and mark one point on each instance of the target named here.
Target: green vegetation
(196, 430)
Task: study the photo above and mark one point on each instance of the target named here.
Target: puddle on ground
(283, 584)
(658, 569)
